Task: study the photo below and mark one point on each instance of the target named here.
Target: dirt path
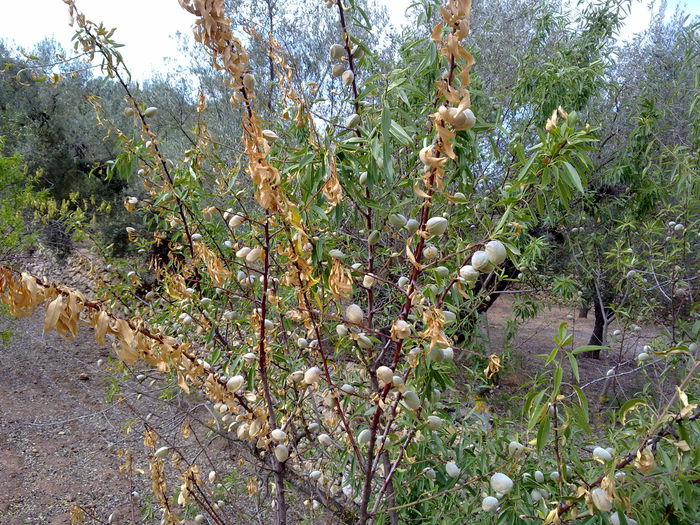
(56, 429)
(536, 336)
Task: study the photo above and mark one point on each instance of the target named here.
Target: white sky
(146, 27)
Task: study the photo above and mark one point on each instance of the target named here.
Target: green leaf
(629, 405)
(586, 348)
(399, 133)
(538, 409)
(526, 168)
(574, 367)
(552, 355)
(583, 404)
(558, 374)
(573, 178)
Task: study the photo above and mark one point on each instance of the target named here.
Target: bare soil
(56, 430)
(535, 337)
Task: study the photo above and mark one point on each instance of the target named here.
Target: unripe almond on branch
(501, 483)
(243, 252)
(602, 455)
(402, 329)
(336, 52)
(411, 400)
(235, 383)
(325, 440)
(254, 254)
(315, 475)
(436, 354)
(601, 500)
(436, 225)
(442, 271)
(397, 220)
(255, 427)
(270, 135)
(281, 453)
(364, 342)
(348, 77)
(374, 238)
(412, 226)
(162, 452)
(312, 375)
(480, 261)
(249, 82)
(514, 448)
(434, 423)
(150, 112)
(452, 469)
(354, 314)
(489, 504)
(496, 252)
(338, 70)
(242, 431)
(364, 436)
(278, 435)
(469, 273)
(368, 281)
(430, 252)
(128, 112)
(462, 120)
(341, 330)
(353, 121)
(385, 374)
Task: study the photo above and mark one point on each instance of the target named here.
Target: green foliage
(17, 198)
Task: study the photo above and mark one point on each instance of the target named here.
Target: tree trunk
(510, 271)
(603, 315)
(583, 312)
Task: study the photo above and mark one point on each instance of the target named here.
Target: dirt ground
(58, 430)
(536, 336)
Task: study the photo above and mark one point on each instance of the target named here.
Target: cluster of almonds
(493, 254)
(501, 485)
(338, 55)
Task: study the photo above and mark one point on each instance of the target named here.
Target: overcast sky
(146, 27)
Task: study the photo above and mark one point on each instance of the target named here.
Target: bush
(317, 298)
